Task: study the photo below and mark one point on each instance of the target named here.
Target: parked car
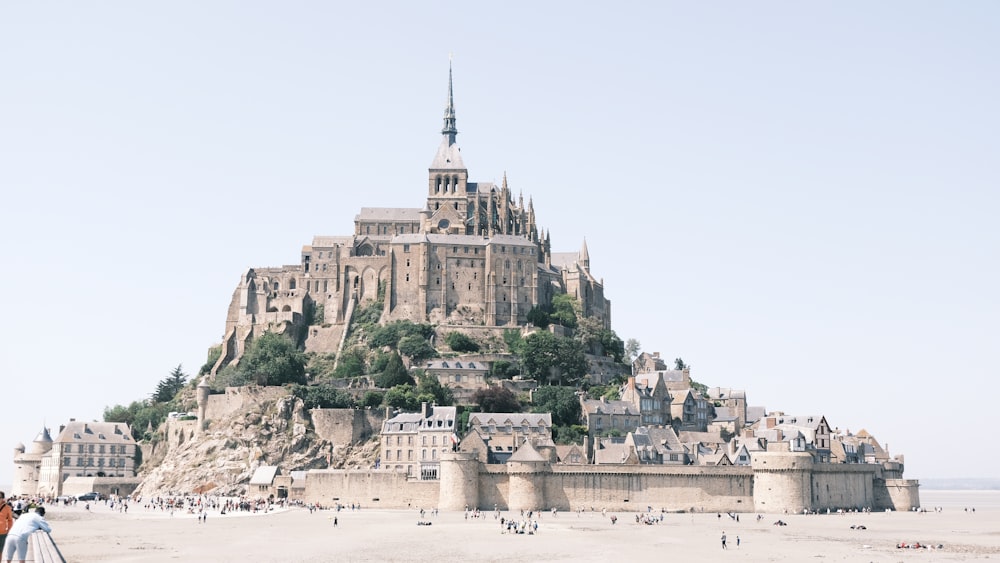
(90, 496)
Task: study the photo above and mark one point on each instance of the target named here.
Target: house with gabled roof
(413, 442)
(649, 395)
(609, 451)
(572, 454)
(690, 409)
(463, 377)
(503, 433)
(734, 400)
(657, 445)
(811, 430)
(603, 417)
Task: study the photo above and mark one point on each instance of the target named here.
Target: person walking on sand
(17, 538)
(6, 518)
(723, 540)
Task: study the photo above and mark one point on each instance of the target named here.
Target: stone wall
(779, 483)
(897, 494)
(238, 398)
(712, 489)
(123, 486)
(843, 486)
(346, 426)
(372, 489)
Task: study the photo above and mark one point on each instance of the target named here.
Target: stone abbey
(473, 255)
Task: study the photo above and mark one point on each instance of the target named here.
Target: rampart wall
(777, 483)
(238, 398)
(346, 426)
(372, 489)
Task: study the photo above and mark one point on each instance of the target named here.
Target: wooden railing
(44, 548)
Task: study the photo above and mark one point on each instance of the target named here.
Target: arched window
(277, 286)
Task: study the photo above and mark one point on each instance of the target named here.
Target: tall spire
(449, 111)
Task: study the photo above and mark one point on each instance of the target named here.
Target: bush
(460, 342)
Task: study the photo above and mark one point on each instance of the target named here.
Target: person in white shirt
(17, 537)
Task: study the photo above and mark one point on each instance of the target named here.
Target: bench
(43, 548)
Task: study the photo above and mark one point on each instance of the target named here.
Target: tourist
(6, 518)
(723, 539)
(17, 537)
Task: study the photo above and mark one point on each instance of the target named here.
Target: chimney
(388, 412)
(423, 409)
(769, 422)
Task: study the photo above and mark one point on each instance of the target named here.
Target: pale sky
(799, 199)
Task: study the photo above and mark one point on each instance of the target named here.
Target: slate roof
(264, 475)
(87, 432)
(521, 419)
(388, 214)
(596, 406)
(526, 452)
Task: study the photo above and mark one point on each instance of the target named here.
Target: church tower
(447, 178)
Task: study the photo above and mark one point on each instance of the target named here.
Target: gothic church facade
(473, 255)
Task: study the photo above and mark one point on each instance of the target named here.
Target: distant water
(960, 500)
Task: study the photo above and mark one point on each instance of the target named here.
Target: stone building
(649, 395)
(472, 254)
(463, 377)
(412, 443)
(495, 436)
(81, 449)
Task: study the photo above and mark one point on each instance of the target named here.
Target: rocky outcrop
(222, 458)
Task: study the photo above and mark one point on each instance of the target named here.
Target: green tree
(562, 402)
(680, 365)
(395, 373)
(402, 397)
(496, 399)
(372, 399)
(320, 366)
(167, 388)
(460, 342)
(502, 369)
(632, 349)
(548, 357)
(564, 310)
(416, 347)
(512, 338)
(322, 396)
(570, 434)
(430, 389)
(213, 356)
(351, 364)
(273, 360)
(539, 317)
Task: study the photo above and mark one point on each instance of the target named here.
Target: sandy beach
(296, 534)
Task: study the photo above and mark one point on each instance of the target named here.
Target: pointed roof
(526, 452)
(584, 254)
(448, 156)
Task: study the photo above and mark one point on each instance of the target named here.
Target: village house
(496, 436)
(464, 378)
(649, 395)
(413, 442)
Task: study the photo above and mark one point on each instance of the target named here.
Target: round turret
(18, 448)
(459, 481)
(203, 392)
(782, 481)
(526, 479)
(42, 442)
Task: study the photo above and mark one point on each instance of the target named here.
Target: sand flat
(393, 535)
